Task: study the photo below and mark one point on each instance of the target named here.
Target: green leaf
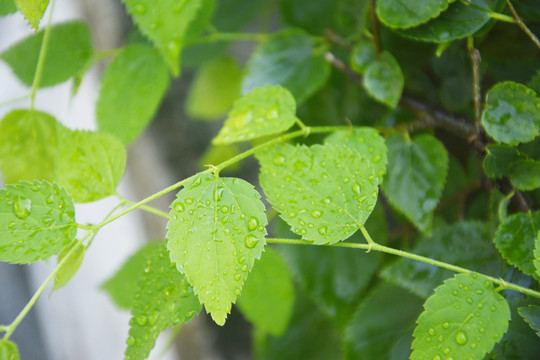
(267, 298)
(214, 89)
(122, 286)
(287, 58)
(218, 222)
(464, 319)
(165, 23)
(7, 7)
(325, 193)
(362, 55)
(163, 298)
(28, 145)
(383, 80)
(32, 10)
(89, 165)
(515, 240)
(500, 159)
(131, 90)
(512, 113)
(531, 315)
(526, 174)
(378, 326)
(368, 142)
(409, 13)
(263, 111)
(38, 221)
(69, 50)
(8, 350)
(416, 175)
(536, 261)
(71, 265)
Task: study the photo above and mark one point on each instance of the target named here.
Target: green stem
(85, 227)
(522, 25)
(149, 209)
(17, 99)
(501, 17)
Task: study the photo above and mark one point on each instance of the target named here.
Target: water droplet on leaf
(461, 338)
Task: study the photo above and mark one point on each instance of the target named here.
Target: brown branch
(474, 54)
(522, 25)
(375, 29)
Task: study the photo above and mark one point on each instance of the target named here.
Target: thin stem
(17, 99)
(522, 25)
(375, 29)
(492, 14)
(474, 54)
(149, 209)
(85, 227)
(217, 37)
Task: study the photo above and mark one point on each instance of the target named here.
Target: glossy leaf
(531, 314)
(267, 298)
(526, 175)
(465, 316)
(89, 165)
(263, 111)
(420, 164)
(163, 298)
(409, 13)
(8, 350)
(515, 240)
(32, 10)
(383, 80)
(218, 222)
(287, 58)
(70, 266)
(69, 50)
(7, 7)
(28, 145)
(325, 193)
(512, 113)
(362, 55)
(131, 90)
(38, 221)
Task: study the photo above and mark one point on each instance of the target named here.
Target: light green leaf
(214, 89)
(89, 165)
(263, 111)
(362, 55)
(38, 221)
(163, 298)
(383, 80)
(28, 145)
(325, 193)
(512, 113)
(7, 7)
(8, 350)
(416, 175)
(368, 142)
(71, 265)
(122, 286)
(409, 13)
(32, 10)
(216, 231)
(287, 58)
(515, 240)
(267, 298)
(131, 90)
(536, 260)
(465, 316)
(165, 23)
(526, 174)
(531, 314)
(70, 48)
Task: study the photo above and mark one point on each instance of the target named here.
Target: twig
(375, 29)
(522, 25)
(474, 54)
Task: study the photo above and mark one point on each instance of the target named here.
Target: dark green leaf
(500, 159)
(362, 55)
(8, 350)
(231, 15)
(409, 13)
(32, 10)
(384, 81)
(531, 315)
(536, 261)
(526, 174)
(70, 266)
(7, 7)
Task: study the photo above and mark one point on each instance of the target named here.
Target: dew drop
(316, 213)
(436, 357)
(493, 308)
(461, 338)
(479, 292)
(141, 320)
(189, 201)
(224, 209)
(327, 200)
(253, 223)
(22, 206)
(431, 332)
(279, 159)
(446, 351)
(292, 214)
(237, 277)
(323, 230)
(131, 341)
(46, 220)
(251, 241)
(356, 188)
(244, 267)
(446, 325)
(179, 207)
(469, 300)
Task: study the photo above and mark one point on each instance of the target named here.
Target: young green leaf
(264, 111)
(89, 165)
(7, 7)
(131, 91)
(416, 175)
(362, 56)
(287, 58)
(515, 239)
(8, 350)
(70, 266)
(215, 232)
(163, 298)
(383, 80)
(325, 193)
(70, 48)
(531, 315)
(464, 319)
(38, 221)
(409, 13)
(165, 23)
(28, 145)
(268, 295)
(32, 10)
(512, 113)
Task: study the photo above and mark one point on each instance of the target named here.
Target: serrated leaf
(38, 221)
(381, 322)
(8, 350)
(324, 192)
(214, 89)
(215, 232)
(131, 90)
(32, 10)
(531, 315)
(122, 286)
(163, 298)
(526, 174)
(7, 7)
(89, 165)
(76, 253)
(28, 145)
(383, 80)
(515, 240)
(267, 298)
(409, 13)
(499, 160)
(368, 142)
(263, 111)
(69, 50)
(287, 58)
(464, 319)
(512, 113)
(362, 55)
